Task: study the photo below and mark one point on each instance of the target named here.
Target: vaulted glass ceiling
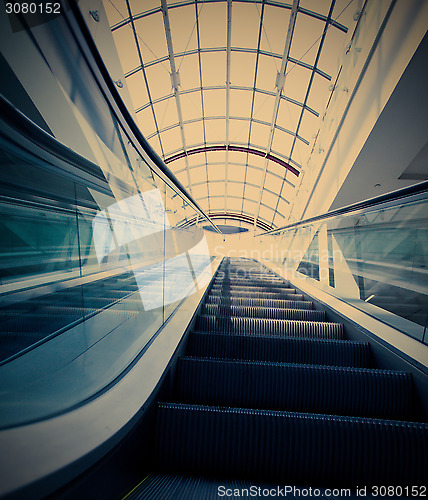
(230, 93)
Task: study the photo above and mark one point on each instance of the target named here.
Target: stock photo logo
(140, 224)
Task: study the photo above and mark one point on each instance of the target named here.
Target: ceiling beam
(228, 59)
(280, 81)
(175, 82)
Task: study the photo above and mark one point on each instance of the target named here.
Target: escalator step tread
(295, 328)
(263, 312)
(257, 295)
(275, 348)
(242, 301)
(297, 387)
(290, 446)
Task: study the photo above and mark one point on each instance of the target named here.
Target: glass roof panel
(273, 183)
(249, 205)
(344, 11)
(215, 102)
(266, 214)
(257, 162)
(155, 144)
(287, 191)
(254, 176)
(237, 157)
(116, 11)
(235, 189)
(143, 5)
(191, 106)
(171, 140)
(234, 204)
(188, 69)
(183, 28)
(276, 169)
(269, 199)
(197, 175)
(151, 37)
(215, 131)
(329, 57)
(268, 67)
(196, 160)
(194, 132)
(260, 135)
(240, 102)
(306, 38)
(216, 157)
(283, 205)
(236, 172)
(203, 111)
(263, 107)
(218, 189)
(275, 26)
(315, 6)
(288, 115)
(319, 93)
(251, 192)
(213, 65)
(179, 166)
(166, 113)
(159, 74)
(216, 172)
(138, 89)
(296, 82)
(245, 25)
(200, 191)
(126, 48)
(282, 141)
(309, 126)
(238, 131)
(242, 69)
(213, 24)
(301, 153)
(146, 121)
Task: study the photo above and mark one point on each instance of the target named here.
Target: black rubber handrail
(397, 195)
(26, 127)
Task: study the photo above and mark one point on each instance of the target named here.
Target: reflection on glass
(373, 257)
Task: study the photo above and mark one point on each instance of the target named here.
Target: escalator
(23, 324)
(270, 392)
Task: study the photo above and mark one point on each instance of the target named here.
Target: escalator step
(256, 295)
(295, 387)
(277, 349)
(292, 328)
(263, 312)
(291, 447)
(252, 288)
(242, 301)
(266, 283)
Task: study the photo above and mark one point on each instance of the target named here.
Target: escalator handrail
(398, 195)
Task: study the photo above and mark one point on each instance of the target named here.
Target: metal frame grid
(249, 179)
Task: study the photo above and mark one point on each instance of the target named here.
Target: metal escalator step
(293, 328)
(250, 282)
(263, 312)
(251, 288)
(290, 447)
(257, 295)
(279, 349)
(332, 390)
(242, 301)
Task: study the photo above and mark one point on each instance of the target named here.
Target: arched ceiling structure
(230, 93)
